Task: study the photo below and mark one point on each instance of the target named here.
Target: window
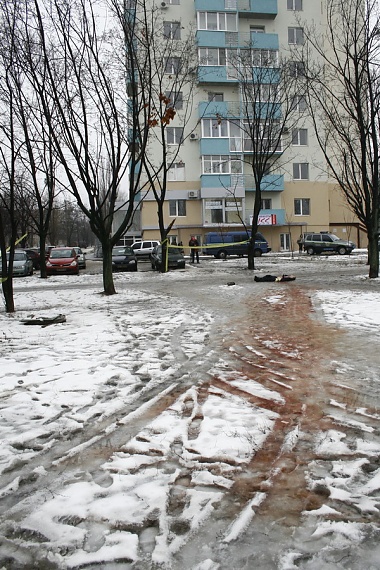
(266, 204)
(302, 207)
(299, 137)
(285, 242)
(221, 164)
(215, 96)
(264, 58)
(223, 210)
(214, 128)
(174, 135)
(265, 92)
(295, 36)
(212, 56)
(299, 103)
(294, 5)
(177, 208)
(297, 68)
(176, 172)
(265, 138)
(257, 29)
(176, 99)
(172, 65)
(300, 171)
(172, 30)
(222, 21)
(174, 2)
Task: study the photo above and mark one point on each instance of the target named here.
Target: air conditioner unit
(163, 5)
(192, 194)
(193, 137)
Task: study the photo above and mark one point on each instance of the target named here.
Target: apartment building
(211, 185)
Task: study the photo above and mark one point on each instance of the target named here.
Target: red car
(62, 260)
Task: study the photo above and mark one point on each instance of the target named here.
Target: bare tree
(344, 92)
(10, 165)
(34, 200)
(164, 74)
(82, 92)
(271, 105)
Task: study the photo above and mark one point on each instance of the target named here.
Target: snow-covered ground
(125, 429)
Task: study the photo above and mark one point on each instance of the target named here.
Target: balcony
(215, 38)
(257, 8)
(214, 146)
(217, 74)
(238, 110)
(239, 184)
(245, 145)
(270, 183)
(251, 8)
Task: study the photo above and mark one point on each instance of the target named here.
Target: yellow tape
(17, 241)
(212, 246)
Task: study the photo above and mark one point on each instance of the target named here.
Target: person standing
(194, 253)
(300, 243)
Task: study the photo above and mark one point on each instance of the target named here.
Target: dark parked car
(124, 258)
(325, 242)
(34, 255)
(22, 264)
(176, 259)
(62, 260)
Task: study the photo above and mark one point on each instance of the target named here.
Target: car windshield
(18, 256)
(61, 253)
(122, 251)
(172, 251)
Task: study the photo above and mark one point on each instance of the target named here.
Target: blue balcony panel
(270, 183)
(265, 75)
(214, 38)
(249, 8)
(214, 74)
(213, 108)
(238, 110)
(215, 180)
(264, 41)
(215, 146)
(211, 5)
(207, 38)
(257, 8)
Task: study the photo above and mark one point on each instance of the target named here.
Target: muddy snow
(189, 423)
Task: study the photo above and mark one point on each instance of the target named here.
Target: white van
(144, 248)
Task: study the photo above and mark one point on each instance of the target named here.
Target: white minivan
(144, 248)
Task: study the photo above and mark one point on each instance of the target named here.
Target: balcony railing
(246, 145)
(258, 8)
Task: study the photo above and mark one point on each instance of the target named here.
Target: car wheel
(257, 252)
(222, 254)
(310, 251)
(342, 250)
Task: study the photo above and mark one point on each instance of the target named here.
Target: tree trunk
(373, 257)
(7, 287)
(255, 217)
(43, 256)
(108, 284)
